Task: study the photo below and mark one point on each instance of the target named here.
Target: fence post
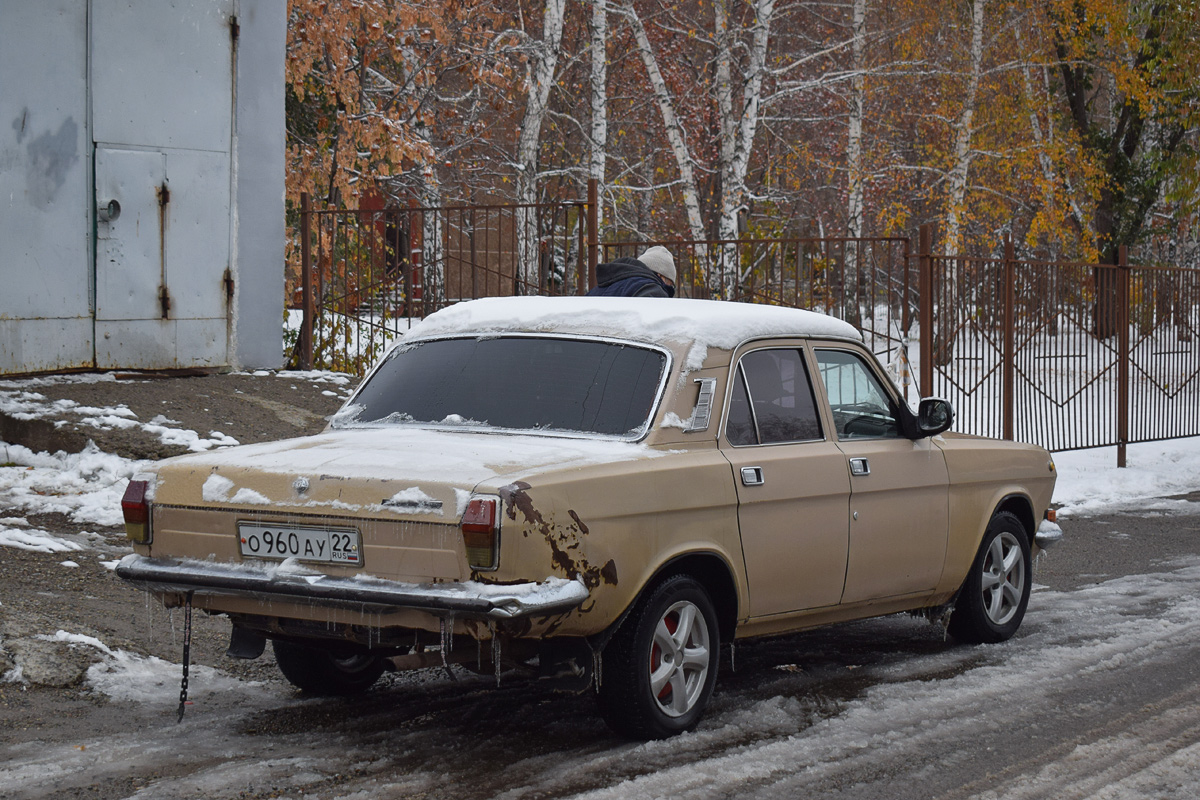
(925, 292)
(306, 283)
(1123, 315)
(1009, 336)
(593, 222)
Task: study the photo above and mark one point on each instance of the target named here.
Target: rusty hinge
(228, 280)
(235, 29)
(164, 300)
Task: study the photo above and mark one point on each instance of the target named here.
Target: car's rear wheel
(993, 599)
(320, 671)
(659, 669)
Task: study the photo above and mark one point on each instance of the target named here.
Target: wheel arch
(1021, 507)
(716, 576)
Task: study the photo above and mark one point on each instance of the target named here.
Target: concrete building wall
(45, 187)
(261, 142)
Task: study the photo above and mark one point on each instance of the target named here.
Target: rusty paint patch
(515, 498)
(564, 541)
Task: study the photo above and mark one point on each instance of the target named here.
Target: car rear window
(522, 383)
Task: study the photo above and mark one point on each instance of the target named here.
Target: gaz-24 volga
(606, 490)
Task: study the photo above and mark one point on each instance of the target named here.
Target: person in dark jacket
(652, 274)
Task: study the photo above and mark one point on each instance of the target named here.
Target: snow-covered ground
(87, 486)
(1089, 481)
(780, 734)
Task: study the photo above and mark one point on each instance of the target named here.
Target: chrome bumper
(1048, 534)
(274, 582)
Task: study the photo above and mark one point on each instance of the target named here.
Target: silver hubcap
(679, 656)
(1003, 578)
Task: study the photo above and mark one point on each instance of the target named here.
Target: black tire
(994, 596)
(651, 692)
(320, 671)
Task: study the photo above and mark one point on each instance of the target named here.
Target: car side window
(861, 407)
(772, 400)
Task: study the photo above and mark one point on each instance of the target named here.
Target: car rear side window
(521, 383)
(772, 400)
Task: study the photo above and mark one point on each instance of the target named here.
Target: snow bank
(1089, 481)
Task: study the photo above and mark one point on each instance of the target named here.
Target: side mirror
(934, 415)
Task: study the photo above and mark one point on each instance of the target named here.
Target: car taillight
(481, 533)
(135, 506)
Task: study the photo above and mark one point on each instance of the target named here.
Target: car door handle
(752, 476)
(860, 466)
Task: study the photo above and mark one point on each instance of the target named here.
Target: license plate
(330, 545)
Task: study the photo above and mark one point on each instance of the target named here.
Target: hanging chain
(187, 653)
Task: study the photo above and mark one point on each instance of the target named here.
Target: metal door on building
(162, 126)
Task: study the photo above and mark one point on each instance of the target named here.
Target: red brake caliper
(672, 622)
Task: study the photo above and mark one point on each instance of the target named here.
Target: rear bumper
(274, 582)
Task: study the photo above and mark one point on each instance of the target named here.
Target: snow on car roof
(707, 323)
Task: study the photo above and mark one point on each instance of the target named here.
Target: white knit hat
(659, 259)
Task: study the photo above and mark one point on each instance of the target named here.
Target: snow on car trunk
(388, 499)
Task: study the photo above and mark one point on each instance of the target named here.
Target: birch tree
(674, 128)
(956, 189)
(854, 153)
(598, 96)
(541, 66)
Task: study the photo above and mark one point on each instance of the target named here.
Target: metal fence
(365, 275)
(1066, 355)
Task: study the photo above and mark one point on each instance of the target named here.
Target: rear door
(792, 484)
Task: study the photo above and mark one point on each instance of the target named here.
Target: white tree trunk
(740, 126)
(599, 97)
(675, 136)
(854, 157)
(433, 260)
(540, 71)
(957, 183)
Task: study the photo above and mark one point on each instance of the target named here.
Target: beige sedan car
(605, 490)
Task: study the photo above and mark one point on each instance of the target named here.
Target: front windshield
(513, 382)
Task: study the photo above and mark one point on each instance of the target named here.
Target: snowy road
(1097, 697)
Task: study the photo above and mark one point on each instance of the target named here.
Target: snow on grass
(17, 532)
(86, 486)
(19, 403)
(1089, 481)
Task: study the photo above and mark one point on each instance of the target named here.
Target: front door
(899, 501)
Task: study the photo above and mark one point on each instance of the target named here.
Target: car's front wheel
(659, 669)
(993, 599)
(319, 671)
